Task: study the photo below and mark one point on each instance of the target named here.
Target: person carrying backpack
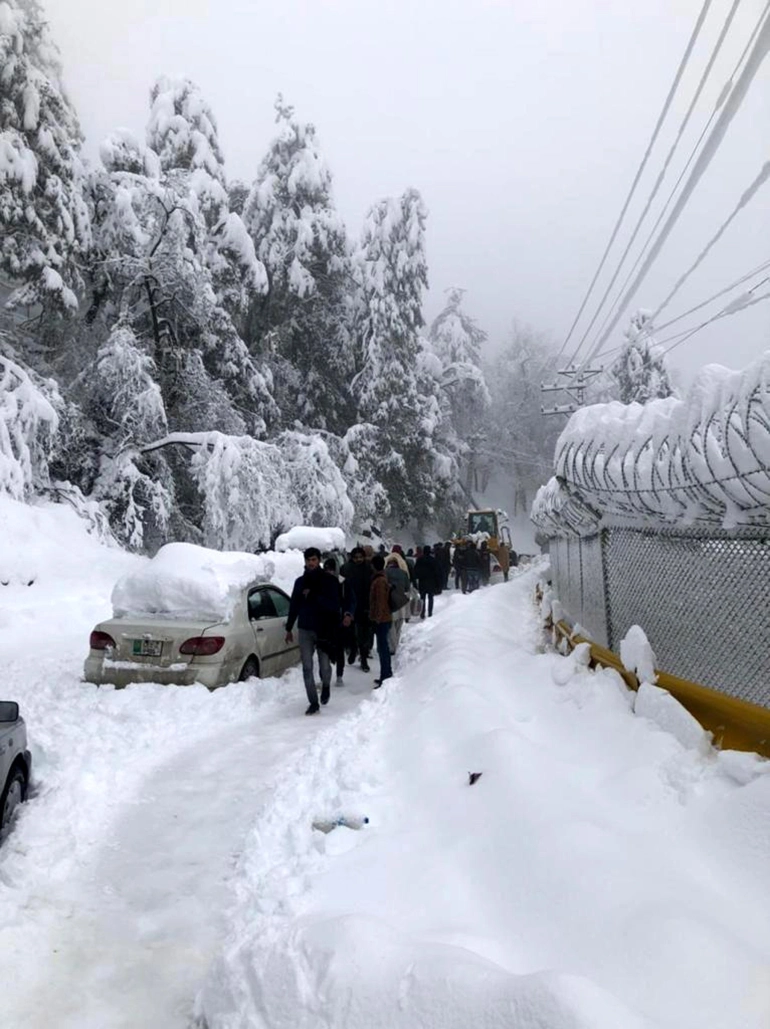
(399, 583)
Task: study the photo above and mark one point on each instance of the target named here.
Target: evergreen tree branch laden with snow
(303, 319)
(44, 225)
(28, 421)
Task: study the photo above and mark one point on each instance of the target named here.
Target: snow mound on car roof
(303, 536)
(187, 581)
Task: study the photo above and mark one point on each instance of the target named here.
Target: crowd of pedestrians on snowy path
(342, 614)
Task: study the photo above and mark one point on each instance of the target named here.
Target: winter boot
(313, 709)
(325, 695)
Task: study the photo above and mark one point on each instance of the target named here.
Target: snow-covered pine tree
(182, 131)
(244, 486)
(457, 340)
(152, 243)
(317, 482)
(393, 397)
(44, 224)
(455, 337)
(28, 421)
(640, 369)
(127, 410)
(303, 319)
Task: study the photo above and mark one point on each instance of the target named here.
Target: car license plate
(147, 648)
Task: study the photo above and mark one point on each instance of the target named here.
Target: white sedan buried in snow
(154, 648)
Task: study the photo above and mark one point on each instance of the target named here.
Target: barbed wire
(704, 459)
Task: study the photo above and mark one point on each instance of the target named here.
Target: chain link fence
(702, 598)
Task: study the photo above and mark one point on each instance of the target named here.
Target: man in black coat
(427, 575)
(315, 606)
(358, 573)
(345, 629)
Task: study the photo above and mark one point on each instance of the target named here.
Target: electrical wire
(730, 106)
(682, 337)
(698, 307)
(662, 173)
(693, 152)
(661, 118)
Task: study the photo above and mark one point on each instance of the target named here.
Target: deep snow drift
(602, 872)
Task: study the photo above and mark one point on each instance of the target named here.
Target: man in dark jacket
(358, 572)
(472, 570)
(315, 606)
(458, 563)
(485, 558)
(345, 624)
(427, 575)
(381, 615)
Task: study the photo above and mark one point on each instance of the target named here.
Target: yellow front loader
(485, 524)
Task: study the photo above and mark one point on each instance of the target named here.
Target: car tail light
(101, 641)
(202, 646)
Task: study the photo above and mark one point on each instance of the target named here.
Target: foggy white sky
(521, 124)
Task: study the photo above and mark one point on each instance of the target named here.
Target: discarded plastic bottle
(348, 821)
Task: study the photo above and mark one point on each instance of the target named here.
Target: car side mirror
(9, 711)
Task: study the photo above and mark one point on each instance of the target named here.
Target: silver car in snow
(160, 649)
(15, 761)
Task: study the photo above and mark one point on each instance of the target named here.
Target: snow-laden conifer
(394, 394)
(153, 247)
(127, 408)
(28, 420)
(182, 131)
(456, 341)
(300, 238)
(640, 369)
(44, 223)
(318, 484)
(245, 491)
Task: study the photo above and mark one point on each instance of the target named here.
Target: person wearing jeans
(315, 606)
(379, 612)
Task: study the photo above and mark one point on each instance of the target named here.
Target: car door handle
(260, 629)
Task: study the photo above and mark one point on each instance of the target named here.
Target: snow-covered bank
(598, 874)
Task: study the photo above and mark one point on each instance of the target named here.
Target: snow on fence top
(186, 581)
(303, 536)
(705, 458)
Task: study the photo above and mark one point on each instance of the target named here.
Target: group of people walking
(342, 614)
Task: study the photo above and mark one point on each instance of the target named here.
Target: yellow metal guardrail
(735, 724)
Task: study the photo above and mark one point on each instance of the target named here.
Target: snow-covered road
(606, 870)
(141, 919)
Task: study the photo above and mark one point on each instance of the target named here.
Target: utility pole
(575, 390)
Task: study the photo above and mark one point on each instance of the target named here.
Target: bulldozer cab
(483, 521)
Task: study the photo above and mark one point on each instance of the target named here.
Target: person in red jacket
(379, 612)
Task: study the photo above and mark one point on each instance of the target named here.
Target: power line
(729, 108)
(716, 296)
(697, 307)
(693, 152)
(662, 173)
(661, 118)
(682, 337)
(745, 198)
